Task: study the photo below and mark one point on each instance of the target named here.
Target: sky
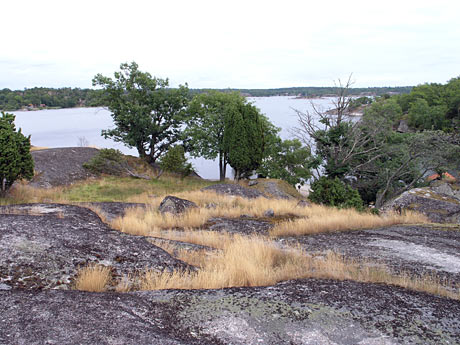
(236, 44)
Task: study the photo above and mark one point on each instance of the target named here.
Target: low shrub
(333, 192)
(107, 161)
(174, 161)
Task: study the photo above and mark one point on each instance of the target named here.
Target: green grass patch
(111, 188)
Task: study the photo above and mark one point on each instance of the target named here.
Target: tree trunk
(221, 168)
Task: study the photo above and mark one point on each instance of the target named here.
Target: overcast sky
(238, 44)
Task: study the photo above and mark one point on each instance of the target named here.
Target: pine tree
(15, 159)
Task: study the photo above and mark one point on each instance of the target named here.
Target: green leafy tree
(206, 125)
(15, 159)
(223, 125)
(147, 115)
(287, 160)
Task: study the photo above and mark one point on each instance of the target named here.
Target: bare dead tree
(357, 141)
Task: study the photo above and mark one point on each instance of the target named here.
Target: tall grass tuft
(93, 278)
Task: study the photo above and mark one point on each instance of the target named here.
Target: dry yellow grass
(309, 220)
(38, 148)
(256, 262)
(23, 193)
(329, 220)
(93, 278)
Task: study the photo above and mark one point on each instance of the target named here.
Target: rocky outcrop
(444, 187)
(300, 312)
(275, 189)
(438, 207)
(43, 246)
(175, 205)
(235, 190)
(61, 166)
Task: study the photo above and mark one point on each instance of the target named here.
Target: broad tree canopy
(147, 115)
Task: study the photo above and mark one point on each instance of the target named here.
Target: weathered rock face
(175, 205)
(239, 226)
(447, 188)
(439, 208)
(293, 312)
(61, 166)
(274, 189)
(403, 127)
(235, 190)
(43, 245)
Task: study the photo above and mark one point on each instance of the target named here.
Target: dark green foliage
(174, 161)
(147, 115)
(358, 102)
(287, 160)
(433, 106)
(244, 139)
(224, 125)
(206, 126)
(107, 161)
(422, 116)
(388, 109)
(15, 159)
(333, 192)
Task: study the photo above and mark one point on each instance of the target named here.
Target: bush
(174, 161)
(107, 161)
(15, 159)
(333, 192)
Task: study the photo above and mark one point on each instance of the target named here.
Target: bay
(71, 127)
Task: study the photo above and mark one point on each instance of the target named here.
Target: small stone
(211, 205)
(303, 203)
(174, 205)
(269, 213)
(4, 287)
(252, 183)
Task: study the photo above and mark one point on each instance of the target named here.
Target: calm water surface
(65, 127)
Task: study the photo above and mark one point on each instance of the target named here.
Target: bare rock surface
(61, 166)
(443, 187)
(274, 190)
(235, 190)
(112, 210)
(415, 249)
(438, 207)
(175, 205)
(43, 245)
(294, 312)
(239, 226)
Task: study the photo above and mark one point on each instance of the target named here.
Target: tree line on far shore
(52, 98)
